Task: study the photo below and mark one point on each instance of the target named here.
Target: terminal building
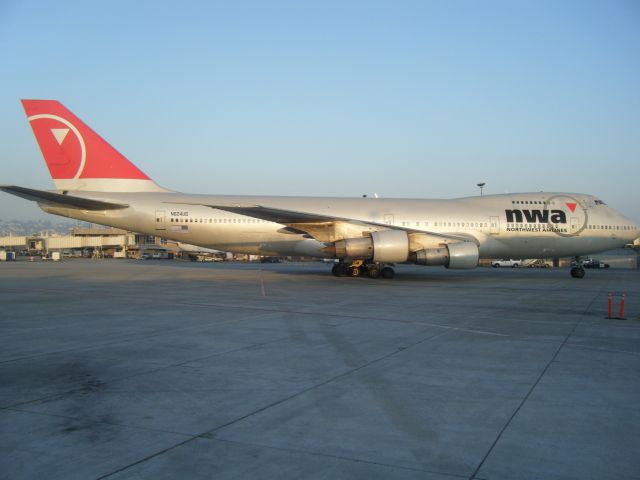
(93, 242)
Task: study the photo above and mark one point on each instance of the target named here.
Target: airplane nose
(633, 229)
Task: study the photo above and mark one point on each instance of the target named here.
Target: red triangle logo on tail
(572, 206)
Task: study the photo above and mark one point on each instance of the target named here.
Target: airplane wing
(60, 200)
(275, 215)
(327, 228)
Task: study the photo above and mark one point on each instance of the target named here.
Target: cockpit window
(600, 202)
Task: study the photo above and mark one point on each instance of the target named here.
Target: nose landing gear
(577, 270)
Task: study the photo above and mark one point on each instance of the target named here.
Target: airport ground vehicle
(506, 263)
(269, 260)
(539, 263)
(592, 263)
(53, 256)
(95, 183)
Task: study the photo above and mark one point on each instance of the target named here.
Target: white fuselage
(520, 225)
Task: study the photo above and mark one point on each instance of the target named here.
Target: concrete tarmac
(164, 369)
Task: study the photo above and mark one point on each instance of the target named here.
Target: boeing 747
(95, 183)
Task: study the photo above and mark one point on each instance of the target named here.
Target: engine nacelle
(390, 246)
(387, 246)
(432, 256)
(355, 248)
(463, 255)
(451, 255)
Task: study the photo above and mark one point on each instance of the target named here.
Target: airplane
(364, 236)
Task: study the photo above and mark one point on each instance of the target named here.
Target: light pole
(481, 185)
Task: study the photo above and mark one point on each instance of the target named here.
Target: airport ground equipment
(610, 297)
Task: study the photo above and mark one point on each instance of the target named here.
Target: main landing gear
(359, 268)
(577, 270)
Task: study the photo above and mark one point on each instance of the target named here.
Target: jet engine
(392, 246)
(386, 246)
(451, 255)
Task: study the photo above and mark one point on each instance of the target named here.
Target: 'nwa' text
(536, 216)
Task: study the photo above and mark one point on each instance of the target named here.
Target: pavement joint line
(97, 422)
(271, 298)
(262, 309)
(119, 341)
(147, 372)
(207, 434)
(274, 308)
(556, 342)
(631, 410)
(596, 349)
(528, 394)
(328, 455)
(405, 288)
(347, 316)
(326, 382)
(248, 346)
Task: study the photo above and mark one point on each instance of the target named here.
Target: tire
(495, 265)
(339, 270)
(373, 272)
(388, 272)
(577, 272)
(515, 265)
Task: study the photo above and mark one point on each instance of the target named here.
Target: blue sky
(402, 98)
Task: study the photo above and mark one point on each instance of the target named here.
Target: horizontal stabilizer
(60, 200)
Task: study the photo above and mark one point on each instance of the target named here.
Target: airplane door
(494, 225)
(575, 224)
(388, 218)
(160, 220)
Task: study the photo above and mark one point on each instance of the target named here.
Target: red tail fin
(77, 157)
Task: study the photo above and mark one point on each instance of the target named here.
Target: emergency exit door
(160, 225)
(575, 224)
(494, 225)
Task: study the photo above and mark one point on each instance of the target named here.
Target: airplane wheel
(388, 272)
(577, 272)
(339, 270)
(373, 272)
